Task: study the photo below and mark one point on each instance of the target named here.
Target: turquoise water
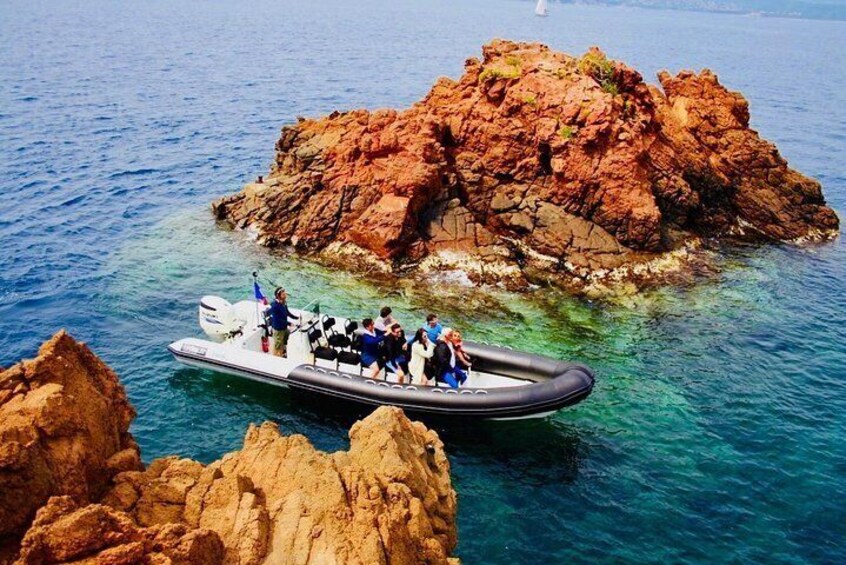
(716, 429)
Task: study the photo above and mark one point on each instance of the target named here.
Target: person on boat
(385, 320)
(433, 328)
(395, 349)
(371, 348)
(279, 316)
(422, 351)
(462, 357)
(447, 362)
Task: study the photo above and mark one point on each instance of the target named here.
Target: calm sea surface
(717, 431)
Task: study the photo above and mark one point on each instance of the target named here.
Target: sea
(717, 429)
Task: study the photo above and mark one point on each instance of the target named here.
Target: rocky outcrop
(64, 448)
(532, 163)
(64, 421)
(278, 500)
(65, 532)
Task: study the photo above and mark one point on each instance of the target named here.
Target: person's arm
(372, 339)
(428, 352)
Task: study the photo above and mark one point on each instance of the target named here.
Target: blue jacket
(279, 315)
(370, 348)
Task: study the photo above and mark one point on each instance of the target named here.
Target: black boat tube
(551, 385)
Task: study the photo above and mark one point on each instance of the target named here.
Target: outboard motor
(218, 318)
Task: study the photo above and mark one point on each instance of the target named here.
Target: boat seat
(333, 337)
(320, 351)
(349, 357)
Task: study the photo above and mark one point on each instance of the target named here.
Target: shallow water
(716, 429)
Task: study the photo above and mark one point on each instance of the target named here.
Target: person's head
(396, 329)
(280, 294)
(421, 336)
(385, 312)
(456, 337)
(432, 320)
(367, 324)
(446, 335)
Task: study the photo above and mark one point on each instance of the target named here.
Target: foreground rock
(64, 421)
(278, 500)
(63, 434)
(534, 164)
(64, 532)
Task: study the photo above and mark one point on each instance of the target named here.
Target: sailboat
(540, 9)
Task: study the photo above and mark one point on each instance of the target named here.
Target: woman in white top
(421, 350)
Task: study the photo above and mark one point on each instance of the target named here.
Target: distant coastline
(796, 9)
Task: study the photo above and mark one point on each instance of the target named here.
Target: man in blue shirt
(279, 316)
(371, 348)
(433, 328)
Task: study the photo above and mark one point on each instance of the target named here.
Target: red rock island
(534, 164)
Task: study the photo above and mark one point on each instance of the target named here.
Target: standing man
(279, 316)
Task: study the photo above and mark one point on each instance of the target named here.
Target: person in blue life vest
(279, 316)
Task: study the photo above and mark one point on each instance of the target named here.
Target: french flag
(259, 296)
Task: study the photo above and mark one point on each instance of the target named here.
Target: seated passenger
(279, 316)
(371, 348)
(433, 328)
(395, 350)
(462, 356)
(447, 362)
(421, 354)
(385, 320)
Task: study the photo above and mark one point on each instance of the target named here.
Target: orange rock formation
(64, 421)
(279, 500)
(536, 160)
(63, 434)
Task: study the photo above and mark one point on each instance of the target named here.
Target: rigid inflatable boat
(321, 359)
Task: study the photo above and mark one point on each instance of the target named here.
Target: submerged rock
(533, 164)
(65, 452)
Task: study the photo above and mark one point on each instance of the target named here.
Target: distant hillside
(816, 9)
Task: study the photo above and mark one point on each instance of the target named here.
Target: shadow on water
(536, 450)
(282, 404)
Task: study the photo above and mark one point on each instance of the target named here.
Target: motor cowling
(218, 318)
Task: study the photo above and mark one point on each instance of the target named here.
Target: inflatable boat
(322, 359)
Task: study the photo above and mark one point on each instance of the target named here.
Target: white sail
(540, 9)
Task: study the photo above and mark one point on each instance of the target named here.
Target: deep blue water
(716, 431)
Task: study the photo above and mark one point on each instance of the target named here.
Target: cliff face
(533, 160)
(65, 453)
